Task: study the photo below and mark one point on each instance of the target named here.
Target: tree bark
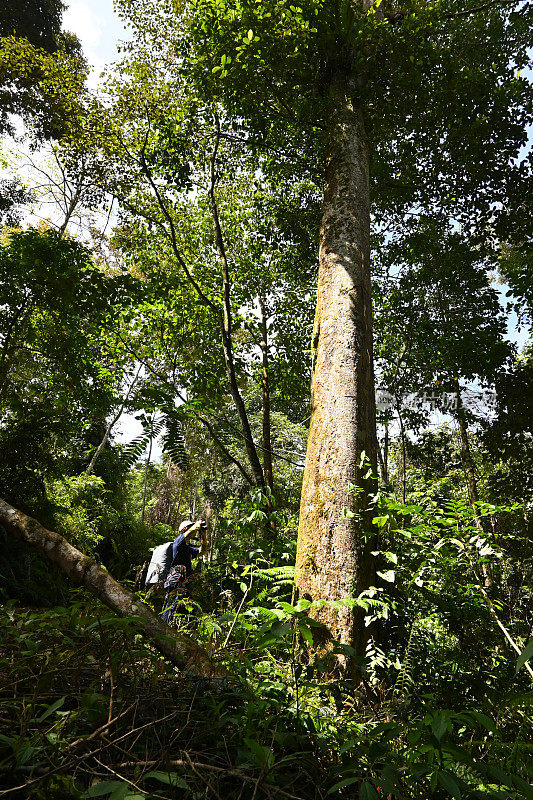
(83, 571)
(267, 443)
(404, 454)
(386, 454)
(383, 456)
(145, 486)
(469, 469)
(256, 478)
(333, 559)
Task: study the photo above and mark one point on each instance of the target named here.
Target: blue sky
(98, 27)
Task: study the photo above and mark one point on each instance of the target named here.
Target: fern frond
(406, 677)
(134, 450)
(277, 579)
(271, 574)
(174, 442)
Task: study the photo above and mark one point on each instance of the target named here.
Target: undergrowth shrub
(90, 709)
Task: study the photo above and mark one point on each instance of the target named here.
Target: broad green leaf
(104, 787)
(50, 710)
(306, 633)
(439, 726)
(368, 792)
(342, 784)
(121, 792)
(170, 778)
(525, 655)
(448, 782)
(482, 719)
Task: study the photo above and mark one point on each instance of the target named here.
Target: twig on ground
(204, 780)
(233, 773)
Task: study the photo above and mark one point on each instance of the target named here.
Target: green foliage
(43, 87)
(169, 428)
(445, 729)
(444, 705)
(38, 21)
(56, 323)
(80, 504)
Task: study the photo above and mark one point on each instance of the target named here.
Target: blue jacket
(183, 553)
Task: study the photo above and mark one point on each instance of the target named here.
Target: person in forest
(183, 551)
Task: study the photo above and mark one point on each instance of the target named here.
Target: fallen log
(84, 571)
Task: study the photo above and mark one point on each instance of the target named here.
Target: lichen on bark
(342, 438)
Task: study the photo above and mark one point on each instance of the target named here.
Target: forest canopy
(265, 308)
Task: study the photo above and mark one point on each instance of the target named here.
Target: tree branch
(112, 422)
(84, 571)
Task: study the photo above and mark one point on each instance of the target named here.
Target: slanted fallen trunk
(84, 571)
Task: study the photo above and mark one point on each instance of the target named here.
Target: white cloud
(86, 24)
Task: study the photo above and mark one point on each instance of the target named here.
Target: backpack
(160, 564)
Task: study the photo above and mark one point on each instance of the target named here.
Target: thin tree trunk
(212, 539)
(208, 516)
(83, 571)
(267, 436)
(194, 499)
(333, 559)
(173, 503)
(178, 504)
(386, 454)
(256, 478)
(110, 425)
(146, 478)
(469, 469)
(226, 328)
(267, 439)
(69, 211)
(404, 454)
(382, 463)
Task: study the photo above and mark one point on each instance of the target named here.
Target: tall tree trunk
(333, 559)
(383, 456)
(69, 210)
(267, 436)
(386, 454)
(225, 317)
(83, 571)
(467, 461)
(469, 469)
